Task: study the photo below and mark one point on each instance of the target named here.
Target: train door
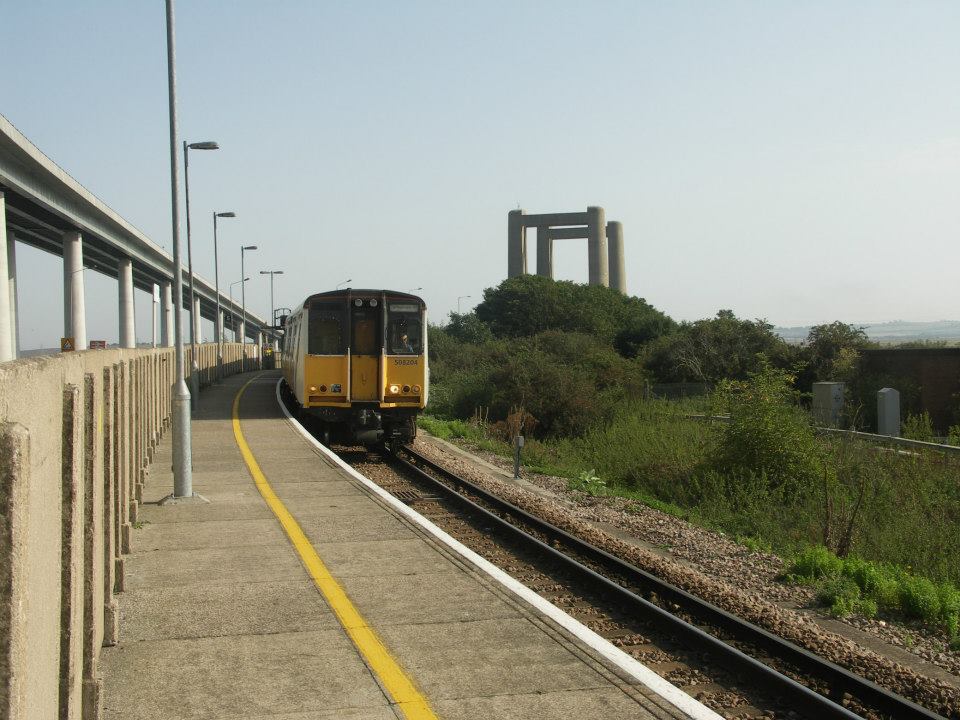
(365, 347)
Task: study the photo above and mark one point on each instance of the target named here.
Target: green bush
(919, 598)
(919, 427)
(814, 563)
(767, 434)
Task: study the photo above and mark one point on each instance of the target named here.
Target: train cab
(356, 361)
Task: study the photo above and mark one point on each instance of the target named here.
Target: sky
(793, 161)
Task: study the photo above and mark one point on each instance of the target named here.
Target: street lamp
(271, 273)
(194, 321)
(218, 323)
(344, 283)
(462, 297)
(233, 315)
(273, 319)
(243, 294)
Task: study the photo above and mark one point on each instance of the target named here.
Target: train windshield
(405, 336)
(325, 331)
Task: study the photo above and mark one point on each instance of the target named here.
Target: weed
(589, 483)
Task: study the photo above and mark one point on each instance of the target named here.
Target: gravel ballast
(907, 660)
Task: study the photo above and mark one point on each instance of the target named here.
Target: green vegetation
(854, 585)
(570, 368)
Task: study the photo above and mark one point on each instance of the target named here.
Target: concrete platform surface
(221, 618)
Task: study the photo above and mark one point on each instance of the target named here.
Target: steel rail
(840, 680)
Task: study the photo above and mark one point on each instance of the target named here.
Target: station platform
(229, 613)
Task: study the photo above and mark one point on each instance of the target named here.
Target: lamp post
(180, 402)
(243, 294)
(344, 283)
(271, 273)
(218, 323)
(462, 297)
(273, 319)
(233, 315)
(194, 363)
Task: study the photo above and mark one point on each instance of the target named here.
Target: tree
(832, 352)
(529, 304)
(724, 347)
(468, 328)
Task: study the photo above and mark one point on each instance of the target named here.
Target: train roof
(350, 292)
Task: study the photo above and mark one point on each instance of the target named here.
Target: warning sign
(66, 344)
(98, 344)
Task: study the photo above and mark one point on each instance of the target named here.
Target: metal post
(182, 453)
(218, 322)
(243, 320)
(518, 445)
(194, 363)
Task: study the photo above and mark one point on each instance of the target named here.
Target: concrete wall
(77, 431)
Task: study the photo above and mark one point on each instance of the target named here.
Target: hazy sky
(796, 161)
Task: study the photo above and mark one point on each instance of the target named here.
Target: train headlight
(416, 389)
(394, 389)
(313, 388)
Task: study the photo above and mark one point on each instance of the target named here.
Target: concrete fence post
(14, 519)
(111, 545)
(92, 550)
(888, 412)
(71, 572)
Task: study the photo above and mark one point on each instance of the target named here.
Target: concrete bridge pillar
(220, 331)
(7, 320)
(166, 314)
(128, 329)
(618, 278)
(196, 320)
(74, 311)
(544, 252)
(516, 244)
(597, 246)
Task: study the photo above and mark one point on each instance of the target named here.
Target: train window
(405, 335)
(325, 329)
(366, 331)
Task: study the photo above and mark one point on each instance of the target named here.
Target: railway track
(732, 666)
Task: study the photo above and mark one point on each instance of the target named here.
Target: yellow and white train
(356, 361)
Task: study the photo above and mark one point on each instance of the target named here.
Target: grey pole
(273, 310)
(216, 280)
(194, 365)
(194, 321)
(271, 273)
(233, 315)
(182, 453)
(243, 295)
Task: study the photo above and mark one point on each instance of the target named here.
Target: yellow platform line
(411, 701)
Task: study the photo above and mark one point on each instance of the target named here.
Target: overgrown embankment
(569, 380)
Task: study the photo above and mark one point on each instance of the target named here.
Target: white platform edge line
(669, 692)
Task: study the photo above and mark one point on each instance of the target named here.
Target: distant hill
(890, 333)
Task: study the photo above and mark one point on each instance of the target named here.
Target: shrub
(814, 563)
(919, 427)
(766, 433)
(919, 598)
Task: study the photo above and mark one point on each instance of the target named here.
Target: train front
(365, 370)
